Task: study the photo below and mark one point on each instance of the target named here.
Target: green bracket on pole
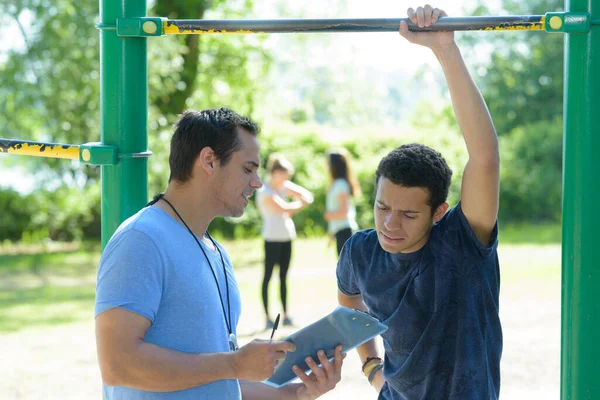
(568, 22)
(96, 153)
(139, 27)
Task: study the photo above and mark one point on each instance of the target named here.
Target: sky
(383, 52)
(401, 55)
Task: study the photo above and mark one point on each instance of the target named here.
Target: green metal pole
(580, 372)
(124, 114)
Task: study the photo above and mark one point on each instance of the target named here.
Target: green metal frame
(124, 114)
(123, 153)
(580, 347)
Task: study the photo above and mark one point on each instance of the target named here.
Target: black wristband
(369, 359)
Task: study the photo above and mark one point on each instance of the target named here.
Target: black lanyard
(232, 339)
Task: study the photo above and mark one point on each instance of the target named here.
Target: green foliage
(518, 233)
(305, 147)
(14, 218)
(50, 88)
(522, 81)
(64, 214)
(531, 172)
(51, 92)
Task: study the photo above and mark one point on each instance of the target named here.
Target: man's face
(238, 179)
(402, 217)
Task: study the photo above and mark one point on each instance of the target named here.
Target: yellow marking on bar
(532, 26)
(173, 29)
(45, 150)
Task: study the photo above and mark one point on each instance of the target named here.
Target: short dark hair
(416, 165)
(216, 128)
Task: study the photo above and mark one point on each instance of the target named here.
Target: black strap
(161, 196)
(155, 199)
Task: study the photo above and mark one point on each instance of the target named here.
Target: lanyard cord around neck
(228, 323)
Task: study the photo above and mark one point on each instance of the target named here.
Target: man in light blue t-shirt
(167, 303)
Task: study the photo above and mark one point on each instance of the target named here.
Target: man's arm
(368, 349)
(480, 186)
(481, 177)
(127, 360)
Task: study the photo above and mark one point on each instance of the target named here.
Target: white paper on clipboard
(344, 326)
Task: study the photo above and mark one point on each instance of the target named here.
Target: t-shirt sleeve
(345, 271)
(130, 275)
(341, 186)
(484, 251)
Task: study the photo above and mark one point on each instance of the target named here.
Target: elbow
(113, 374)
(488, 160)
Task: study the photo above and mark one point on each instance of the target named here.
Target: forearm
(260, 391)
(298, 192)
(296, 207)
(340, 214)
(157, 369)
(471, 111)
(366, 350)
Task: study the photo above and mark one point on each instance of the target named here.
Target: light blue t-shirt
(153, 267)
(332, 205)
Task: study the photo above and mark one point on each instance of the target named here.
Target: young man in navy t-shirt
(429, 273)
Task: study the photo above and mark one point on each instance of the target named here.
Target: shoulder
(454, 230)
(265, 192)
(142, 231)
(341, 185)
(363, 242)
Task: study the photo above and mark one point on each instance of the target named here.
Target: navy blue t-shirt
(440, 303)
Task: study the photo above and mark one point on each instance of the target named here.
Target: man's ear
(440, 211)
(207, 160)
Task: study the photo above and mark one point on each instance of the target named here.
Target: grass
(46, 289)
(545, 233)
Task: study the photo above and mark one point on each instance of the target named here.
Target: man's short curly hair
(416, 165)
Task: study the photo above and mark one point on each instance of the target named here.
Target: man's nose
(393, 221)
(256, 183)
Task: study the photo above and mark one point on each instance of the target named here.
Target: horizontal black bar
(520, 22)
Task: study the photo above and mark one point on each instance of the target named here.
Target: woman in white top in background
(340, 211)
(278, 227)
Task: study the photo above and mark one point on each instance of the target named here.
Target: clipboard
(344, 326)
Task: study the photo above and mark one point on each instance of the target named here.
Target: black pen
(275, 326)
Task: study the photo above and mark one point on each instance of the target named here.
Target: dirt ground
(60, 362)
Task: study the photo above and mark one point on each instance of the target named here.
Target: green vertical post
(124, 114)
(580, 356)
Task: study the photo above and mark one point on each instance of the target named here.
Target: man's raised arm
(480, 186)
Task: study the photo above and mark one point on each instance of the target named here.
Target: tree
(523, 80)
(50, 88)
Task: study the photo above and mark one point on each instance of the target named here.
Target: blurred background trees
(305, 98)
